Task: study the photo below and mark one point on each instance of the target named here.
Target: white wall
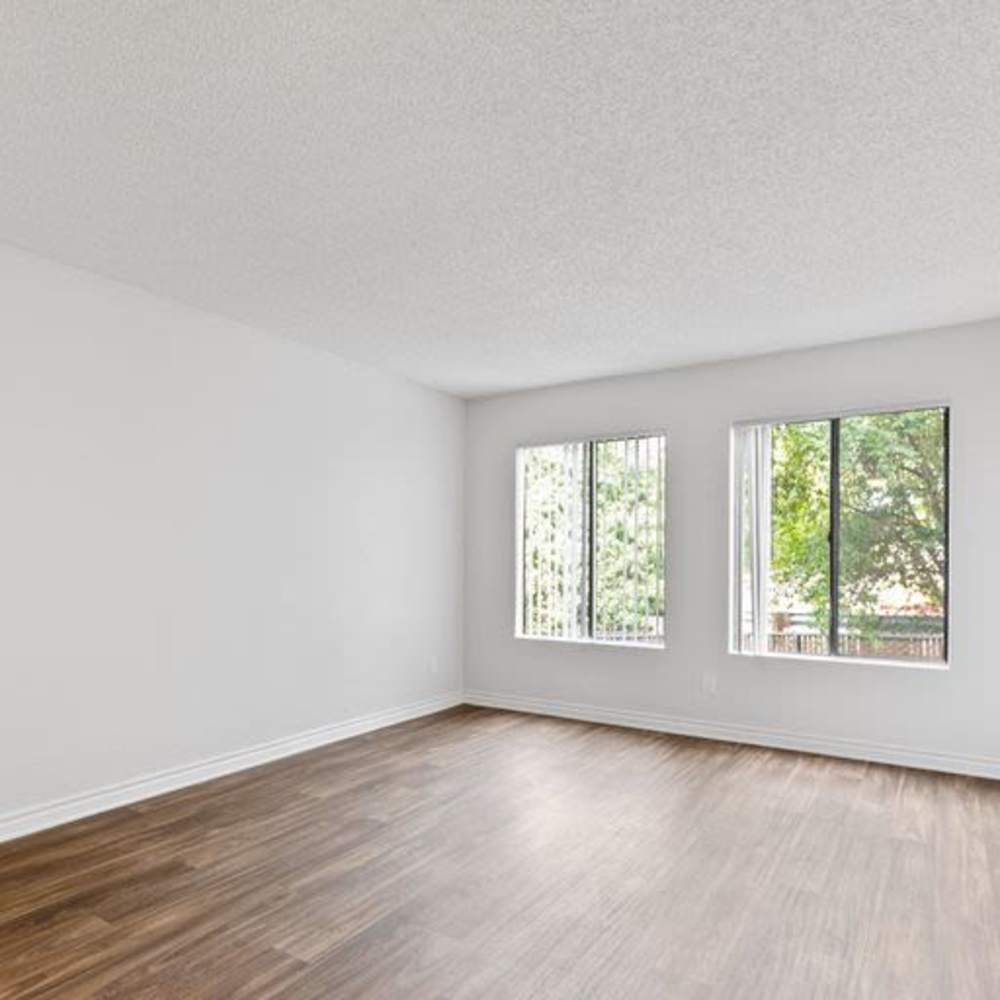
(921, 715)
(210, 537)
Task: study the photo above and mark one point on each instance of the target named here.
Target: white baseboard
(730, 732)
(55, 813)
(49, 814)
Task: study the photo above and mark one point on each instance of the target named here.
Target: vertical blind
(752, 515)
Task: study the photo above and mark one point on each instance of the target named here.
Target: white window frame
(654, 645)
(760, 572)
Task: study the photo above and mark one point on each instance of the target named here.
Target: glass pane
(799, 584)
(892, 530)
(554, 486)
(628, 559)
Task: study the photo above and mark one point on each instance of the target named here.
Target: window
(590, 540)
(840, 536)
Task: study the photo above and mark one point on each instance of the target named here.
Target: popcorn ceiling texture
(488, 196)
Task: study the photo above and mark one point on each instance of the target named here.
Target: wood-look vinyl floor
(479, 853)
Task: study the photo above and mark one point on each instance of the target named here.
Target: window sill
(858, 661)
(605, 643)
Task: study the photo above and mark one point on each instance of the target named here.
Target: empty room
(499, 500)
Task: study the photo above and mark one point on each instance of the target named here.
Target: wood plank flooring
(479, 853)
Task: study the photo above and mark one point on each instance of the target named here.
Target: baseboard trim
(729, 732)
(55, 813)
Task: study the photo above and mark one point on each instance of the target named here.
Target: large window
(590, 540)
(840, 536)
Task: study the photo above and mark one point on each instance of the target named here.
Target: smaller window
(591, 540)
(840, 537)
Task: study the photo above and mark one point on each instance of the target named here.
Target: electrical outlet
(709, 682)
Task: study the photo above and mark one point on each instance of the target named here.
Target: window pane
(554, 540)
(892, 529)
(799, 585)
(628, 558)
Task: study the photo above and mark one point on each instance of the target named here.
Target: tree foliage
(893, 513)
(800, 514)
(629, 550)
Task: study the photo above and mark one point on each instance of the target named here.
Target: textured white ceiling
(492, 195)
